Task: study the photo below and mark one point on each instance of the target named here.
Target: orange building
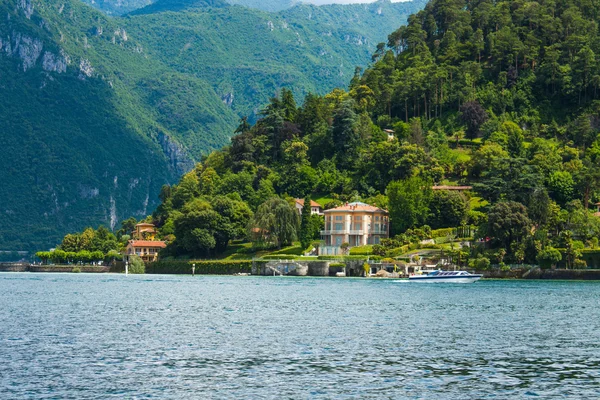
(144, 231)
(356, 223)
(147, 250)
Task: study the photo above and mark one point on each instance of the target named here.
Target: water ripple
(109, 336)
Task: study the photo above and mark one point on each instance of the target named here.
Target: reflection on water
(101, 336)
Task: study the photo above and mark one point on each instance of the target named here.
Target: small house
(315, 208)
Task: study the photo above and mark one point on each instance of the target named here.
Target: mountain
(92, 125)
(118, 7)
(248, 55)
(98, 112)
(178, 5)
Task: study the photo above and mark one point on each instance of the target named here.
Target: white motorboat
(445, 277)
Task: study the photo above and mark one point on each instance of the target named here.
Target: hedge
(204, 267)
(436, 233)
(365, 250)
(280, 257)
(333, 258)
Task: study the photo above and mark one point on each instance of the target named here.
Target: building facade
(356, 223)
(147, 250)
(315, 208)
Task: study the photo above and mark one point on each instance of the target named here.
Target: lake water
(77, 336)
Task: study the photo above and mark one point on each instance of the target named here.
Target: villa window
(339, 227)
(339, 218)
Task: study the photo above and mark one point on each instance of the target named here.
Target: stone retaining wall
(68, 268)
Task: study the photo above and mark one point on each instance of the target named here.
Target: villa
(147, 250)
(144, 244)
(356, 223)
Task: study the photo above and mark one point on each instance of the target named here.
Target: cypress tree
(305, 238)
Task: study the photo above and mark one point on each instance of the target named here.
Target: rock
(27, 7)
(382, 273)
(86, 68)
(54, 63)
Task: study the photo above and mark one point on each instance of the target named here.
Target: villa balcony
(358, 232)
(334, 232)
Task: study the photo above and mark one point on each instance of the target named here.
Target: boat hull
(450, 279)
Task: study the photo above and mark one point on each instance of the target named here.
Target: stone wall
(14, 267)
(68, 268)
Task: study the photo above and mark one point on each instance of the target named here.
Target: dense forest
(498, 95)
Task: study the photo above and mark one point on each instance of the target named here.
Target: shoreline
(513, 274)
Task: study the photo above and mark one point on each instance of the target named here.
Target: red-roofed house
(355, 223)
(147, 250)
(315, 208)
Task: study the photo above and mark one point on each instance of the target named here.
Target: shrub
(280, 257)
(443, 232)
(362, 250)
(76, 270)
(480, 263)
(136, 265)
(549, 257)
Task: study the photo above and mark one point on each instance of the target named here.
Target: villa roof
(446, 187)
(144, 224)
(312, 203)
(357, 207)
(148, 243)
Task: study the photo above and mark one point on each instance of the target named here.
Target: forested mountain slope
(498, 95)
(88, 128)
(248, 55)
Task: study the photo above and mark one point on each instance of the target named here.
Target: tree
(549, 257)
(305, 234)
(409, 203)
(136, 265)
(539, 206)
(346, 138)
(447, 209)
(561, 186)
(473, 115)
(277, 221)
(44, 256)
(508, 223)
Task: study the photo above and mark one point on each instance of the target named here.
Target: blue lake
(78, 336)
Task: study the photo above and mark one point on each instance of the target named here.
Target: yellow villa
(144, 244)
(147, 250)
(356, 223)
(144, 231)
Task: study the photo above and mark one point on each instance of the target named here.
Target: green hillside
(92, 126)
(500, 97)
(248, 55)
